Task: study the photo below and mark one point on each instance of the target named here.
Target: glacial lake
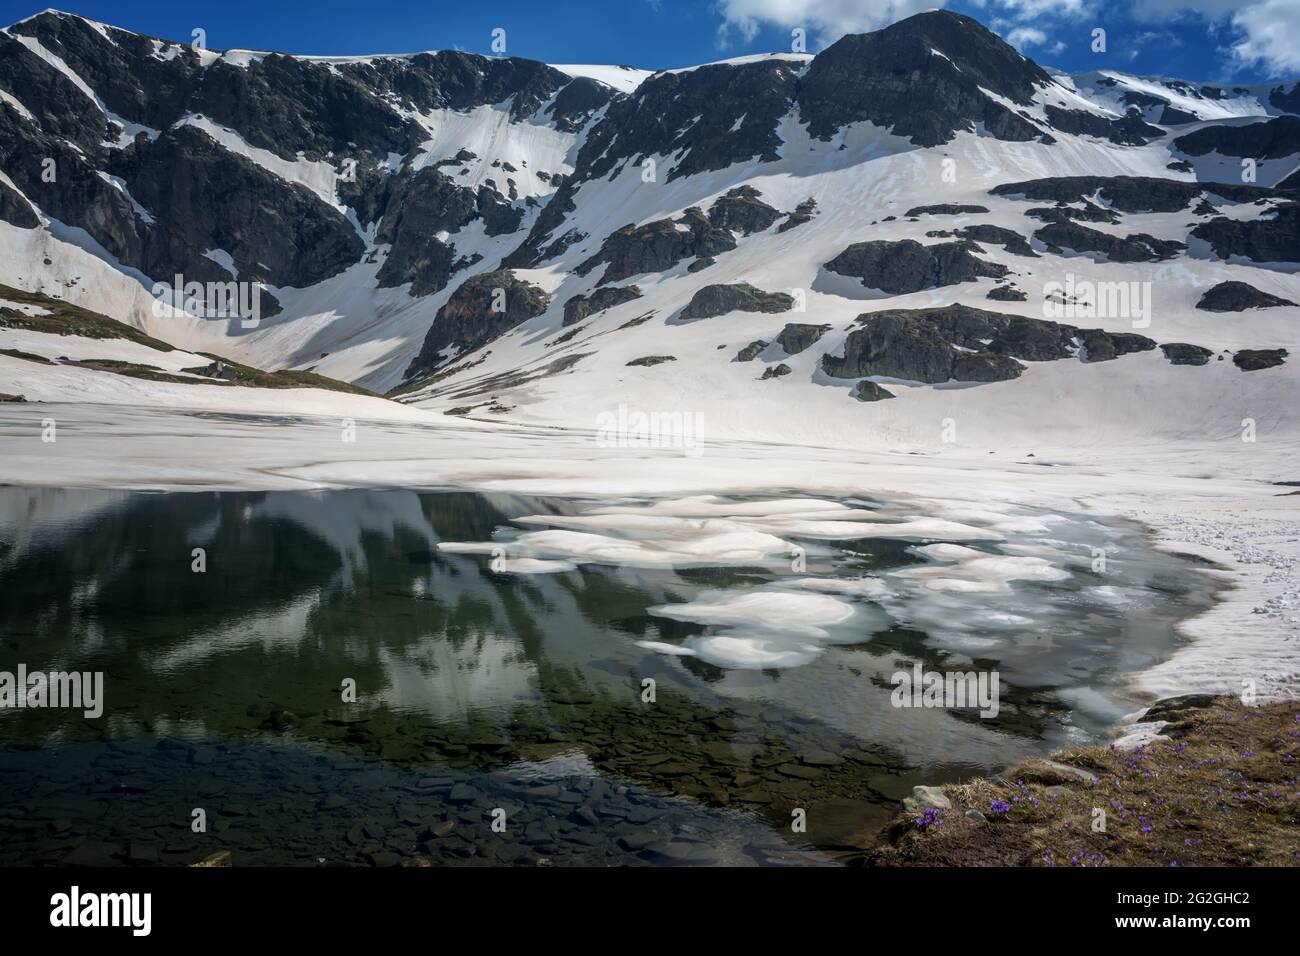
(541, 680)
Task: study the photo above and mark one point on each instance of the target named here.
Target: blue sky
(1239, 41)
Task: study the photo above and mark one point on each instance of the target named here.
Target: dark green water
(480, 691)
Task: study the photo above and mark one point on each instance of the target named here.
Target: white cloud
(1024, 37)
(1035, 9)
(1268, 36)
(830, 19)
(1263, 31)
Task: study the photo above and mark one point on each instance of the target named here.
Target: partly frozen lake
(626, 680)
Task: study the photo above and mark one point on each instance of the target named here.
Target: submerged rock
(926, 798)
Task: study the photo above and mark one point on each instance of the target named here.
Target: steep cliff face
(164, 153)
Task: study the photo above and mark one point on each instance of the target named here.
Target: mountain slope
(383, 202)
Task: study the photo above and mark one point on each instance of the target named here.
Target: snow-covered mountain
(852, 247)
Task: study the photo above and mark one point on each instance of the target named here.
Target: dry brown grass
(1225, 792)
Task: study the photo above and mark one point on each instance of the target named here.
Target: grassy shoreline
(1223, 791)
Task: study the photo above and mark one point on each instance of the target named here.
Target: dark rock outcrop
(944, 209)
(1238, 297)
(205, 197)
(868, 391)
(1136, 248)
(419, 207)
(1007, 293)
(965, 344)
(1131, 130)
(1087, 212)
(1101, 346)
(1180, 353)
(1271, 139)
(16, 210)
(455, 80)
(803, 213)
(1012, 241)
(289, 105)
(581, 306)
(577, 103)
(650, 361)
(1274, 237)
(799, 337)
(1130, 194)
(1172, 116)
(485, 307)
(1284, 99)
(658, 246)
(907, 266)
(915, 345)
(906, 78)
(776, 371)
(715, 300)
(742, 210)
(751, 351)
(713, 116)
(1255, 360)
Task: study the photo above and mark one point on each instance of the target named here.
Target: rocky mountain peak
(925, 77)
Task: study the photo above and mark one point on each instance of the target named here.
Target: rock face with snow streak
(110, 100)
(483, 308)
